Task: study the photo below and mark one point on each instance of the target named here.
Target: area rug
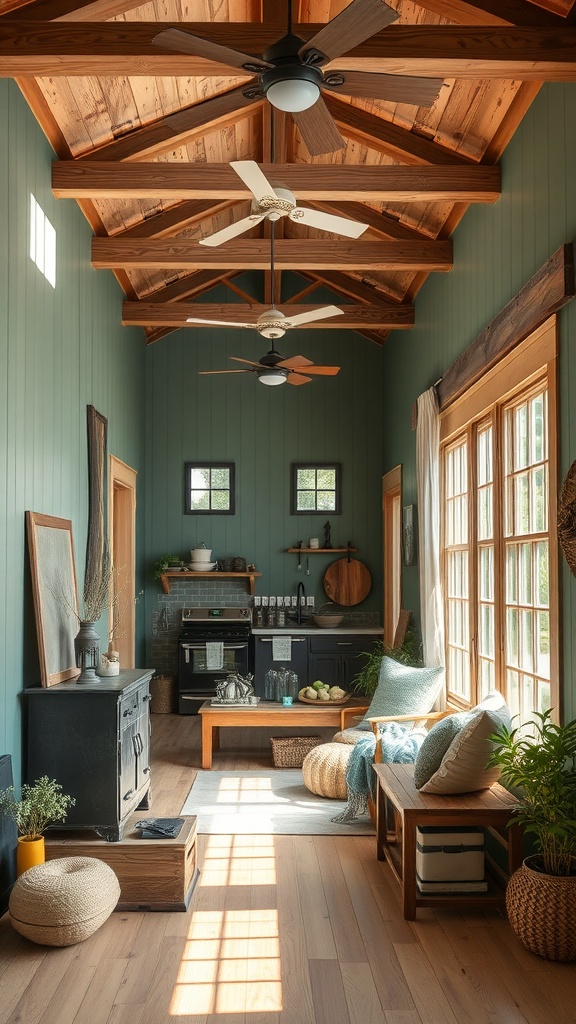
(265, 803)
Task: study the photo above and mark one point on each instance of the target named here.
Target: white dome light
(293, 95)
(272, 377)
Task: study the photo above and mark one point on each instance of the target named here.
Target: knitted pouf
(324, 770)
(63, 901)
(350, 735)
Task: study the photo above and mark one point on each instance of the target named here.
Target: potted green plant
(166, 563)
(39, 805)
(541, 896)
(365, 681)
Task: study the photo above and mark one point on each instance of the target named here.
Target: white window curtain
(428, 484)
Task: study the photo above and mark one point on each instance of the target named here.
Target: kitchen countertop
(295, 630)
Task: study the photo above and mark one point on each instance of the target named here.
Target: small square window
(315, 488)
(209, 488)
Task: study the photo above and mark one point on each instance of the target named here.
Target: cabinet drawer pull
(147, 697)
(127, 713)
(343, 643)
(146, 771)
(128, 794)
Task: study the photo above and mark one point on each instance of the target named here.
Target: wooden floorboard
(280, 930)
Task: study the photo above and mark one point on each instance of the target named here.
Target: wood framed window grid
(209, 488)
(315, 488)
(499, 544)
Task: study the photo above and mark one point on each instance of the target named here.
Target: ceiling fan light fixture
(272, 377)
(292, 87)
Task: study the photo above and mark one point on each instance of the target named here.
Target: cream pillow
(463, 767)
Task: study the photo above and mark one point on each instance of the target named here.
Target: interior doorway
(392, 548)
(122, 520)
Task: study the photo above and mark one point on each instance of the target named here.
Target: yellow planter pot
(29, 853)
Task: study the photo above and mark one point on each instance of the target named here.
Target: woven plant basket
(542, 911)
(290, 751)
(163, 694)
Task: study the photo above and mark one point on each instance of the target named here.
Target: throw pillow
(436, 744)
(403, 690)
(462, 768)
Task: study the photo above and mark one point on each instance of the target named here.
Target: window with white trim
(500, 571)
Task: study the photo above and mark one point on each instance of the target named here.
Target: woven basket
(542, 911)
(290, 751)
(163, 693)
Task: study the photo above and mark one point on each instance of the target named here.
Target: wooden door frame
(391, 489)
(122, 540)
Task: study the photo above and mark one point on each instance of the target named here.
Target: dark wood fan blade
(185, 42)
(323, 371)
(357, 22)
(237, 359)
(318, 129)
(296, 361)
(223, 371)
(420, 92)
(297, 378)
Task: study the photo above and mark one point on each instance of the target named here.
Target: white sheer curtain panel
(428, 483)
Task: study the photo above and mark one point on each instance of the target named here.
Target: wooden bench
(401, 808)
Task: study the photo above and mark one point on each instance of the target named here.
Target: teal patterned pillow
(403, 690)
(436, 744)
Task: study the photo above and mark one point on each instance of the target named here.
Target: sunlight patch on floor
(231, 964)
(239, 860)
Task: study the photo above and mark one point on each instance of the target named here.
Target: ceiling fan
(272, 203)
(273, 369)
(272, 323)
(289, 74)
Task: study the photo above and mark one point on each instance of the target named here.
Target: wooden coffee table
(265, 713)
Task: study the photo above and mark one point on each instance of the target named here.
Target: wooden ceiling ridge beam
(44, 49)
(179, 128)
(493, 12)
(385, 137)
(289, 255)
(379, 317)
(115, 180)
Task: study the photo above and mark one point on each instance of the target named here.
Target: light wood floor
(281, 930)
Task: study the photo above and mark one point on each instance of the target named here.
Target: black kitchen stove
(214, 642)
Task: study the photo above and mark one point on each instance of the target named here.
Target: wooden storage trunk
(290, 751)
(154, 874)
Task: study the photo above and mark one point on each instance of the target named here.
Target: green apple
(318, 685)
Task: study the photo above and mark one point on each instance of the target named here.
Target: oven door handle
(294, 639)
(226, 647)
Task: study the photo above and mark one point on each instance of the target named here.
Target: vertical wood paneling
(496, 251)
(60, 349)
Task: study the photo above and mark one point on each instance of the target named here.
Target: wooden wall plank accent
(90, 179)
(354, 317)
(109, 48)
(551, 288)
(255, 254)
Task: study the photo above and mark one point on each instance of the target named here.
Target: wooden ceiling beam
(44, 49)
(110, 180)
(190, 286)
(68, 10)
(378, 223)
(255, 254)
(351, 287)
(180, 128)
(151, 314)
(175, 220)
(384, 137)
(493, 12)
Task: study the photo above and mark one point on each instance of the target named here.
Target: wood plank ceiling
(144, 135)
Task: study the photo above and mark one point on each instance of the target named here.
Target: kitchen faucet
(301, 594)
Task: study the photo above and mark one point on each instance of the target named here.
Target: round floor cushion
(324, 770)
(64, 900)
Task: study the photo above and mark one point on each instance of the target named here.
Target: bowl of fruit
(320, 694)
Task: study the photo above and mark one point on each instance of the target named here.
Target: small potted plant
(39, 805)
(541, 895)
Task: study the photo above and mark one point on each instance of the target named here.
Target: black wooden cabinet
(95, 741)
(337, 659)
(263, 660)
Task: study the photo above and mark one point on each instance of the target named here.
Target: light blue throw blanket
(400, 744)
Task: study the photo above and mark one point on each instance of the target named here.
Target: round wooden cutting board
(347, 581)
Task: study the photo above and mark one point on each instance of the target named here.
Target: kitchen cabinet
(335, 658)
(95, 741)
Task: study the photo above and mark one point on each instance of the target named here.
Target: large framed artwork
(52, 565)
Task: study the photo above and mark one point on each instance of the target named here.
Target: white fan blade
(327, 222)
(215, 323)
(233, 230)
(316, 314)
(253, 177)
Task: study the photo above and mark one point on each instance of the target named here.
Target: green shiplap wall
(60, 350)
(496, 251)
(263, 430)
